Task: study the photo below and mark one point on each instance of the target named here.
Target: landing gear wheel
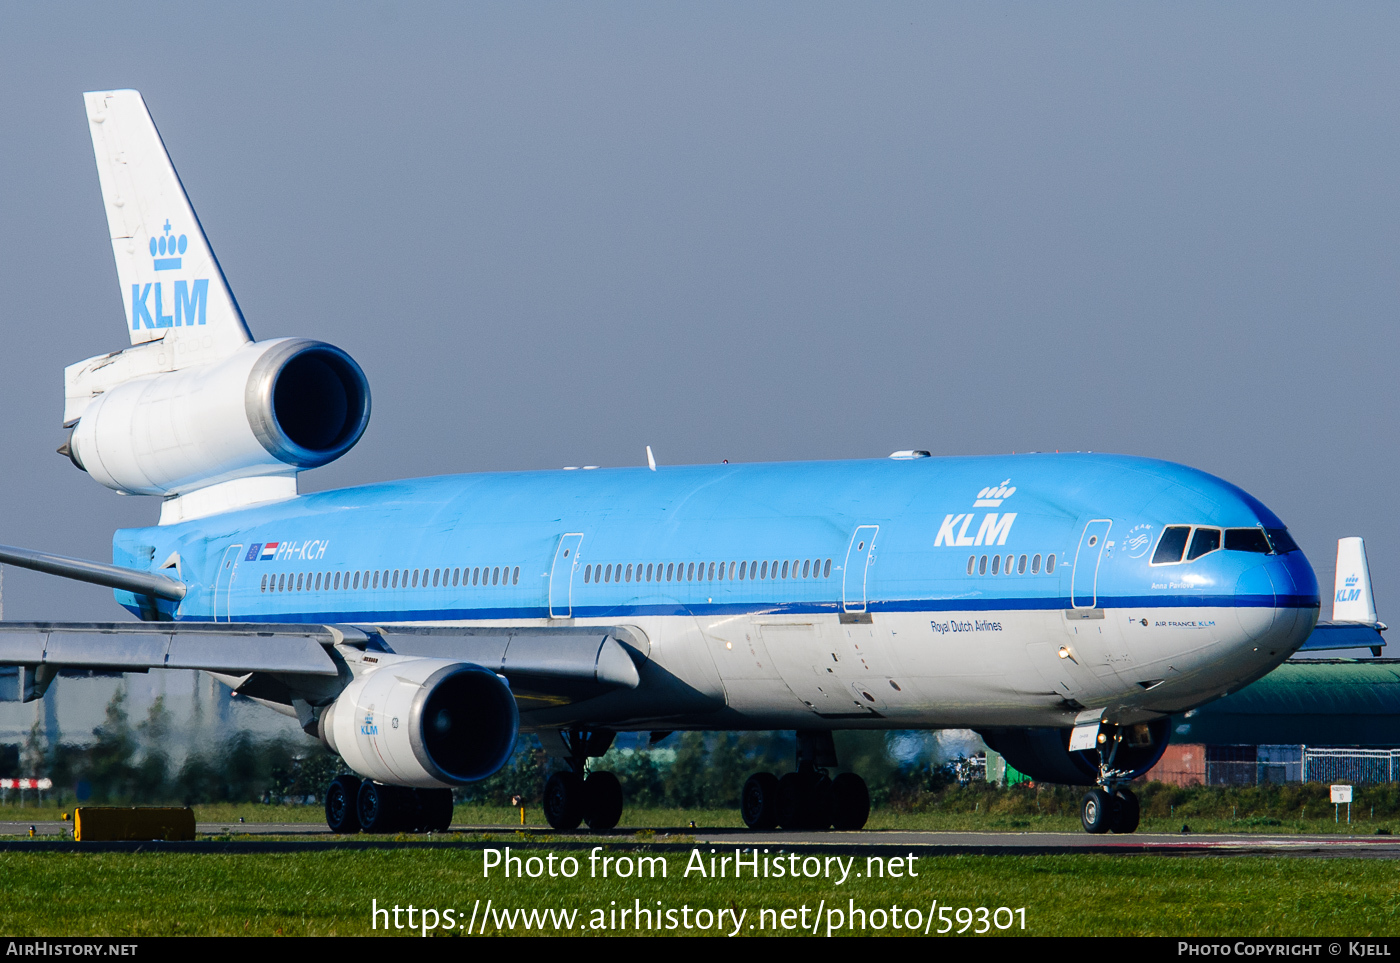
(434, 810)
(341, 795)
(851, 802)
(759, 803)
(1096, 811)
(383, 808)
(806, 801)
(602, 801)
(563, 801)
(1129, 813)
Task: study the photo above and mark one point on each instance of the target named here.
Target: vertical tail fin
(172, 286)
(1352, 600)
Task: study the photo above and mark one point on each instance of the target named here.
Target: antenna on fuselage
(651, 459)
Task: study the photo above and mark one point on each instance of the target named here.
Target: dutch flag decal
(269, 551)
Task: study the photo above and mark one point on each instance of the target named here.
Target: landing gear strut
(807, 799)
(1110, 806)
(570, 798)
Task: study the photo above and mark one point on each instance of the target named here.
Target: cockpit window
(1171, 545)
(1205, 540)
(1246, 540)
(1283, 542)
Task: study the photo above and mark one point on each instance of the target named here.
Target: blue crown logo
(1352, 580)
(164, 249)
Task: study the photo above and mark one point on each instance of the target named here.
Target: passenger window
(785, 568)
(996, 564)
(971, 563)
(982, 566)
(455, 573)
(264, 583)
(1021, 566)
(515, 576)
(826, 569)
(763, 573)
(806, 567)
(670, 571)
(1035, 565)
(743, 567)
(1246, 540)
(731, 571)
(648, 571)
(1205, 540)
(629, 571)
(357, 580)
(712, 571)
(318, 581)
(376, 579)
(1171, 545)
(587, 573)
(690, 572)
(1050, 564)
(1009, 559)
(396, 578)
(495, 576)
(436, 573)
(1280, 539)
(476, 576)
(298, 582)
(415, 578)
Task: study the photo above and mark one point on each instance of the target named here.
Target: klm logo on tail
(1349, 593)
(188, 301)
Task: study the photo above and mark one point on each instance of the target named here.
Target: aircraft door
(860, 554)
(1085, 576)
(223, 583)
(561, 576)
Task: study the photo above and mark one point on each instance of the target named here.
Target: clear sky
(553, 234)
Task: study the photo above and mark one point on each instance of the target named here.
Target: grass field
(330, 892)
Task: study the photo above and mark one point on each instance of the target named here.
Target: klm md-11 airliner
(1062, 605)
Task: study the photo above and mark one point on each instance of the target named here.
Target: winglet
(172, 286)
(1352, 600)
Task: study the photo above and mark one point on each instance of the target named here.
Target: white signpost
(1341, 794)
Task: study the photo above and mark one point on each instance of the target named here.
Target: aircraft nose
(1276, 601)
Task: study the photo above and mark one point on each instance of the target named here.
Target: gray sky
(553, 234)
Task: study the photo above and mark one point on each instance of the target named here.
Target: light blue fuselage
(887, 563)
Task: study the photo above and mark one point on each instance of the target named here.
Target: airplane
(1063, 605)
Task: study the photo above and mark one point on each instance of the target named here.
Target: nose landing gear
(1111, 807)
(807, 799)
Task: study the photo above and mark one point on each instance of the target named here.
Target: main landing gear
(807, 799)
(571, 798)
(353, 804)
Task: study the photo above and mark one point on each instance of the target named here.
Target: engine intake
(423, 722)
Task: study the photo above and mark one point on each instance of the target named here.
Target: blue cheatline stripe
(520, 613)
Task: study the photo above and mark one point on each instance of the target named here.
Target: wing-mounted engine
(1044, 753)
(270, 408)
(426, 723)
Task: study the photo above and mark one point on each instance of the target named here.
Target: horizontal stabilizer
(1330, 636)
(98, 573)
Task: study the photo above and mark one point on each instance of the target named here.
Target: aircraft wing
(552, 665)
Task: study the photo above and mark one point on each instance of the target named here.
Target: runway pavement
(257, 836)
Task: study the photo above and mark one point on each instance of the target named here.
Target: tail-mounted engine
(271, 407)
(423, 722)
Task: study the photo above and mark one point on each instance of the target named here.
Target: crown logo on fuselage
(993, 497)
(167, 248)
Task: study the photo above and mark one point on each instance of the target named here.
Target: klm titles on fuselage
(994, 527)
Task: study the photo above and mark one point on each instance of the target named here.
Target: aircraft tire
(760, 802)
(1096, 811)
(1129, 813)
(563, 801)
(602, 801)
(851, 806)
(342, 815)
(434, 810)
(383, 808)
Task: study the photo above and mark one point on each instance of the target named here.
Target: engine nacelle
(271, 407)
(427, 723)
(1044, 755)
